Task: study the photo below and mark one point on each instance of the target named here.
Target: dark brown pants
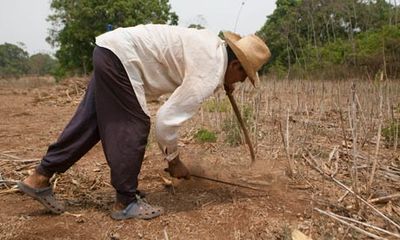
(109, 112)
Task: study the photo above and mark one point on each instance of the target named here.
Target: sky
(25, 20)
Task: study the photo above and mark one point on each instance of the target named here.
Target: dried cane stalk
(353, 122)
(285, 142)
(334, 216)
(350, 190)
(375, 163)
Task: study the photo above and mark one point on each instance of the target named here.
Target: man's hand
(177, 169)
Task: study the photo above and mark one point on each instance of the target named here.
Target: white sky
(25, 20)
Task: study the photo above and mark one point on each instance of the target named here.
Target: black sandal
(44, 195)
(138, 209)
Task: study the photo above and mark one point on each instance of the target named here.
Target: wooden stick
(354, 134)
(10, 156)
(165, 234)
(227, 183)
(375, 163)
(11, 190)
(349, 224)
(367, 225)
(286, 144)
(13, 182)
(344, 195)
(389, 197)
(21, 160)
(351, 191)
(239, 117)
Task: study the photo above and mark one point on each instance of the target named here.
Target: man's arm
(181, 106)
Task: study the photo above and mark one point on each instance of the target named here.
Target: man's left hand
(177, 169)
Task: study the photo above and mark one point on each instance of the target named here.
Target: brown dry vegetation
(310, 137)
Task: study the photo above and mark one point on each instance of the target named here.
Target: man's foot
(38, 187)
(118, 206)
(138, 209)
(37, 180)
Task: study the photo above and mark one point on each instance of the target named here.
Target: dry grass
(329, 133)
(338, 124)
(28, 82)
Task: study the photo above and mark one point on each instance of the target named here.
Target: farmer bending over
(130, 65)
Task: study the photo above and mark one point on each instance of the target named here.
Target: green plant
(75, 24)
(213, 105)
(232, 129)
(203, 135)
(391, 132)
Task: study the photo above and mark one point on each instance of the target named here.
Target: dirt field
(301, 123)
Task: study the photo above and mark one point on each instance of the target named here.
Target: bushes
(232, 129)
(391, 133)
(203, 135)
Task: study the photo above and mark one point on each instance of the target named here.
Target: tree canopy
(75, 24)
(15, 62)
(332, 38)
(41, 64)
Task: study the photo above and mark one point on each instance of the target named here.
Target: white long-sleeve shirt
(160, 59)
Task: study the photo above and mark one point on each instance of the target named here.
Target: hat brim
(251, 74)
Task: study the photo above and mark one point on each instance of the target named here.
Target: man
(130, 65)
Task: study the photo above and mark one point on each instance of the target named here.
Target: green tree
(42, 64)
(76, 23)
(13, 60)
(309, 37)
(197, 26)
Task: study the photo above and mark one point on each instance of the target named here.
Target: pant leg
(78, 137)
(123, 125)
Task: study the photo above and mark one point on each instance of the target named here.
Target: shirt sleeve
(183, 104)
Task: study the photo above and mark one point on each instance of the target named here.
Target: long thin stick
(21, 160)
(389, 197)
(228, 183)
(353, 123)
(239, 117)
(351, 191)
(12, 182)
(367, 225)
(166, 234)
(285, 141)
(375, 163)
(349, 224)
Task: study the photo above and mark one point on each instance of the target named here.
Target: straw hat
(251, 51)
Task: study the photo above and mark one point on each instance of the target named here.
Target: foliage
(75, 24)
(197, 26)
(42, 64)
(13, 60)
(308, 37)
(203, 135)
(380, 50)
(391, 132)
(214, 105)
(232, 128)
(232, 131)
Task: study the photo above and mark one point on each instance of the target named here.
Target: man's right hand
(177, 169)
